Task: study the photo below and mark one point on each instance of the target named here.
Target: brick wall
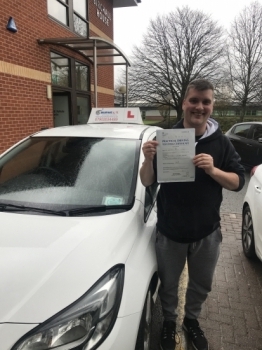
(25, 66)
(22, 113)
(105, 73)
(94, 6)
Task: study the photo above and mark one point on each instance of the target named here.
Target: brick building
(56, 63)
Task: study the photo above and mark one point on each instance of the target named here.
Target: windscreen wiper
(97, 209)
(71, 212)
(13, 207)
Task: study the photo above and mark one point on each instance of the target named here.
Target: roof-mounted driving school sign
(116, 115)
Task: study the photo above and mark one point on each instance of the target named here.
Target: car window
(67, 172)
(257, 132)
(242, 130)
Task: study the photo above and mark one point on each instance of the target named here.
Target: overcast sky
(131, 23)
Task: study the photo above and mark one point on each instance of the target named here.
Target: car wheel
(144, 332)
(248, 242)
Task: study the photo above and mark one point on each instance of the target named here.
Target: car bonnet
(48, 262)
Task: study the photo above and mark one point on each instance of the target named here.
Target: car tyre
(144, 332)
(248, 241)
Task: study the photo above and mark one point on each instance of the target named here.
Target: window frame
(68, 4)
(150, 192)
(254, 129)
(239, 126)
(71, 89)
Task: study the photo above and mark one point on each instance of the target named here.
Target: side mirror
(260, 139)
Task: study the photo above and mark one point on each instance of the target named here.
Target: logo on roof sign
(130, 115)
(105, 112)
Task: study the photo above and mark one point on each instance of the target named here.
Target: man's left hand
(204, 161)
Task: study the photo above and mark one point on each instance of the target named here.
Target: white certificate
(175, 152)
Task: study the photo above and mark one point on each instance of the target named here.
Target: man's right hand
(147, 173)
(149, 149)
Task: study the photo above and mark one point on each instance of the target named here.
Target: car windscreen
(67, 173)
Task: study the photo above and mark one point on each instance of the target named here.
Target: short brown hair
(200, 85)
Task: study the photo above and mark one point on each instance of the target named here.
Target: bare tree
(245, 56)
(222, 108)
(164, 111)
(223, 101)
(176, 49)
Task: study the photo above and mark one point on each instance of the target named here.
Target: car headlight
(84, 324)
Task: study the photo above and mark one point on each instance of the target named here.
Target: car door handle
(258, 189)
(249, 144)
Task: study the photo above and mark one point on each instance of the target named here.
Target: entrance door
(83, 109)
(61, 109)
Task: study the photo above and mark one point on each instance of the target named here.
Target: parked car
(252, 218)
(78, 265)
(247, 140)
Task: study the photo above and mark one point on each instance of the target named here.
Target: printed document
(175, 152)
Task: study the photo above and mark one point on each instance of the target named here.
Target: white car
(78, 265)
(252, 218)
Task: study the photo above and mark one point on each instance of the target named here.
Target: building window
(254, 112)
(72, 13)
(60, 70)
(58, 10)
(82, 75)
(71, 90)
(80, 18)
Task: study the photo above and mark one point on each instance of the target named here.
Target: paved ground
(232, 315)
(233, 201)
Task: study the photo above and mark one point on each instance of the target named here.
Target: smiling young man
(188, 214)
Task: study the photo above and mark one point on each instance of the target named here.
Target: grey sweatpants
(201, 258)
